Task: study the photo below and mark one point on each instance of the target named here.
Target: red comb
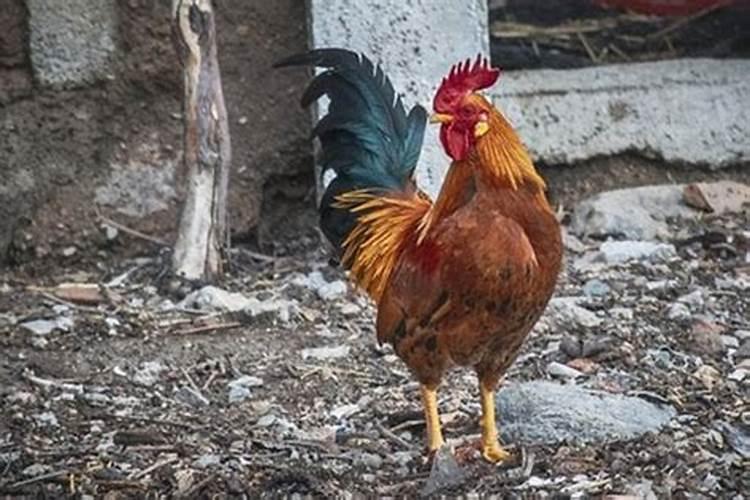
(463, 79)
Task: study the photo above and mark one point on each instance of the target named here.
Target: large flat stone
(72, 41)
(693, 111)
(416, 43)
(638, 213)
(545, 412)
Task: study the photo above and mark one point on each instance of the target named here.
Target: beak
(441, 118)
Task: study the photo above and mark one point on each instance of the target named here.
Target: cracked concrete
(687, 111)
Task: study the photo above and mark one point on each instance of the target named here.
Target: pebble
(148, 373)
(708, 375)
(445, 472)
(47, 419)
(678, 312)
(566, 311)
(191, 397)
(69, 251)
(324, 290)
(560, 370)
(207, 460)
(34, 470)
(596, 288)
(368, 460)
(618, 252)
(324, 353)
(47, 326)
(694, 300)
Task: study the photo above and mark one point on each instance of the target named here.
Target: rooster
(459, 281)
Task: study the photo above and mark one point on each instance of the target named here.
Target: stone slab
(691, 111)
(72, 42)
(541, 412)
(416, 42)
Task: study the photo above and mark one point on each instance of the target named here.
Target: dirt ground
(131, 396)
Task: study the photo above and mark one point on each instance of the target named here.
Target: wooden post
(203, 236)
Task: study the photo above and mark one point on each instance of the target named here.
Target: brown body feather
(461, 281)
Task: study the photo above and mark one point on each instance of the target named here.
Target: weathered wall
(90, 112)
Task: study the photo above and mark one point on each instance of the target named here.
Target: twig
(393, 436)
(43, 382)
(64, 302)
(38, 479)
(130, 231)
(586, 46)
(192, 383)
(617, 50)
(406, 425)
(148, 470)
(681, 23)
(208, 328)
(148, 420)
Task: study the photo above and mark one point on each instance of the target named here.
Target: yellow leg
(432, 419)
(491, 449)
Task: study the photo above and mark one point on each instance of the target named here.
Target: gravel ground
(274, 384)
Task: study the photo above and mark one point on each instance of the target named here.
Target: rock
(368, 460)
(206, 461)
(47, 419)
(617, 252)
(347, 410)
(635, 213)
(72, 43)
(69, 251)
(47, 326)
(239, 388)
(742, 334)
(238, 393)
(729, 342)
(212, 297)
(34, 470)
(191, 397)
(350, 309)
(247, 381)
(148, 373)
(738, 375)
(595, 288)
(445, 472)
(21, 397)
(678, 312)
(705, 336)
(540, 412)
(565, 311)
(324, 353)
(398, 34)
(708, 375)
(325, 290)
(718, 197)
(693, 299)
(737, 437)
(651, 108)
(218, 299)
(560, 370)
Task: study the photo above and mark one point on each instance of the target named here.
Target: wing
(476, 270)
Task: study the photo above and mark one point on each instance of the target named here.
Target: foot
(492, 452)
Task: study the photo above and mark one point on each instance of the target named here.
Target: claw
(492, 452)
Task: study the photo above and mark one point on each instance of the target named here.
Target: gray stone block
(693, 111)
(72, 41)
(415, 41)
(540, 412)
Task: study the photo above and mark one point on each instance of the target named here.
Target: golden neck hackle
(502, 157)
